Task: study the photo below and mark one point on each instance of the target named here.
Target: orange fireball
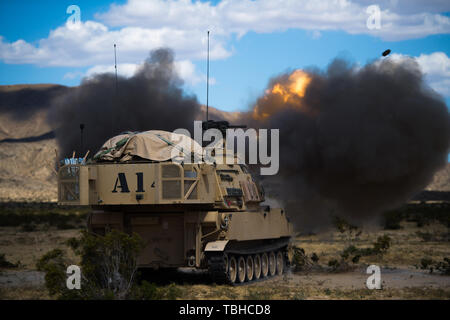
(283, 94)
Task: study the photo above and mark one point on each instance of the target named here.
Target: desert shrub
(382, 244)
(54, 263)
(425, 263)
(73, 243)
(55, 256)
(301, 261)
(334, 264)
(351, 254)
(171, 292)
(431, 265)
(298, 258)
(343, 226)
(108, 265)
(314, 257)
(444, 266)
(146, 291)
(347, 252)
(5, 263)
(109, 262)
(150, 291)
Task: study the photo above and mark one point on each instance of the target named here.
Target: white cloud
(435, 63)
(139, 26)
(92, 43)
(143, 25)
(186, 71)
(436, 68)
(242, 16)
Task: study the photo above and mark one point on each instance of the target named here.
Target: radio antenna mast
(81, 136)
(115, 64)
(207, 85)
(115, 67)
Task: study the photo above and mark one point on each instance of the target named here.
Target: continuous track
(244, 266)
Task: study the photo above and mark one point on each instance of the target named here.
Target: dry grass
(24, 293)
(270, 292)
(28, 247)
(408, 247)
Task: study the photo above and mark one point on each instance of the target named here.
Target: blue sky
(251, 41)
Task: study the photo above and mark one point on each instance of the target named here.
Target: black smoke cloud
(371, 138)
(151, 99)
(366, 139)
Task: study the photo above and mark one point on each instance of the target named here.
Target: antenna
(81, 136)
(115, 67)
(207, 85)
(115, 64)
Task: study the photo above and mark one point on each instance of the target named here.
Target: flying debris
(386, 52)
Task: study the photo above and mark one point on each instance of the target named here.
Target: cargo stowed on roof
(154, 145)
(158, 145)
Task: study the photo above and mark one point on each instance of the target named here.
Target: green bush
(440, 266)
(54, 264)
(334, 264)
(171, 292)
(314, 257)
(353, 254)
(343, 226)
(301, 261)
(108, 265)
(382, 244)
(150, 291)
(55, 256)
(147, 291)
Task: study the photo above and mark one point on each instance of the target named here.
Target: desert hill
(27, 143)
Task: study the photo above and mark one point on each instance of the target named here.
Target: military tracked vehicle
(200, 215)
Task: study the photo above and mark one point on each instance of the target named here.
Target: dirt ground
(400, 276)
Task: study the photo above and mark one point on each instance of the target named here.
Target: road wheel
(232, 269)
(225, 262)
(264, 265)
(272, 263)
(280, 263)
(250, 268)
(241, 269)
(257, 268)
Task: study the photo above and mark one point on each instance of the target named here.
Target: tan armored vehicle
(198, 215)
